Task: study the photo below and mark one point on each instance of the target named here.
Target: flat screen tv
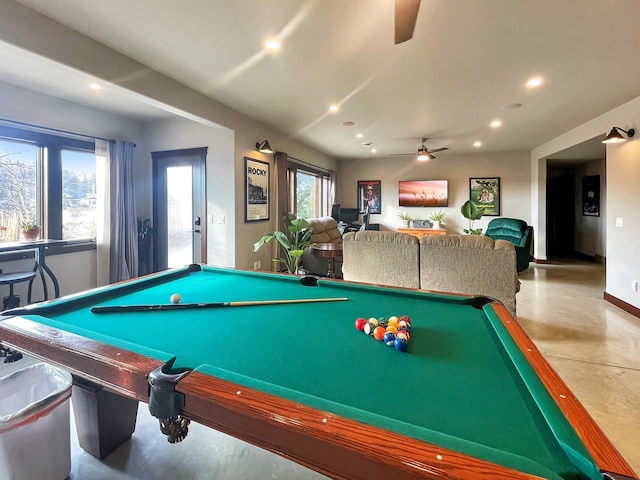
(423, 193)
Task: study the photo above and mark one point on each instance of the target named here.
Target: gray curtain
(123, 262)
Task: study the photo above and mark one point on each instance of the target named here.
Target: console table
(421, 232)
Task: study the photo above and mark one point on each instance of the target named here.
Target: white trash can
(34, 424)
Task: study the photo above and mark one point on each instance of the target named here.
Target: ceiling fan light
(423, 155)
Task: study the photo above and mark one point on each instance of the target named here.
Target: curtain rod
(41, 129)
(309, 164)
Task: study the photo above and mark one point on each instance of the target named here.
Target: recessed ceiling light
(358, 135)
(334, 108)
(348, 124)
(477, 143)
(534, 82)
(373, 150)
(272, 44)
(496, 124)
(95, 86)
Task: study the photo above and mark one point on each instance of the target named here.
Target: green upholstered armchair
(514, 231)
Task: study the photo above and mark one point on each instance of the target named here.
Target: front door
(179, 208)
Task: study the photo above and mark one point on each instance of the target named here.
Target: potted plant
(30, 230)
(294, 240)
(471, 212)
(436, 218)
(405, 217)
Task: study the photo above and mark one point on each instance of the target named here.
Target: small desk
(40, 266)
(330, 251)
(421, 232)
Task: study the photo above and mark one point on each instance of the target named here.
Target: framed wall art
(370, 194)
(256, 189)
(423, 193)
(485, 194)
(591, 196)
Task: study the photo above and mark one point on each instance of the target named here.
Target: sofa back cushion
(384, 258)
(510, 229)
(471, 264)
(325, 230)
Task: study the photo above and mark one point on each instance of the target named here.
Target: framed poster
(485, 194)
(256, 190)
(591, 196)
(370, 194)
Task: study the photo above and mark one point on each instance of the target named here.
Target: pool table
(471, 397)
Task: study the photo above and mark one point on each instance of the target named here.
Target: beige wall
(511, 167)
(622, 193)
(590, 237)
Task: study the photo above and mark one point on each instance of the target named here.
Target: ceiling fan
(424, 153)
(406, 12)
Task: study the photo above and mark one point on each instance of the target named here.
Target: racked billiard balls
(401, 344)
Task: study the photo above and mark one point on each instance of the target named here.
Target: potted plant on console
(30, 230)
(471, 212)
(436, 218)
(405, 217)
(293, 241)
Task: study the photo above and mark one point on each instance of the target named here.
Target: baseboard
(541, 261)
(627, 307)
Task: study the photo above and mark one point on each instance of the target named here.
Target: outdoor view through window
(22, 194)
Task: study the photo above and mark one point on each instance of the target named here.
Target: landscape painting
(423, 193)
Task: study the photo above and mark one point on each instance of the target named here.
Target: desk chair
(13, 301)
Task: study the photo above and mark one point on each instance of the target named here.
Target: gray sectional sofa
(470, 264)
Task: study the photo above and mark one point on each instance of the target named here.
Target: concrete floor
(593, 345)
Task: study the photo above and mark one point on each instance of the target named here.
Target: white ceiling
(467, 61)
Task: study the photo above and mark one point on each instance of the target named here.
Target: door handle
(196, 222)
(197, 230)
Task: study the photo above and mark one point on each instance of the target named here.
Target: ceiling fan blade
(401, 154)
(406, 13)
(434, 150)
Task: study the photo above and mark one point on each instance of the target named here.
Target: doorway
(560, 215)
(179, 208)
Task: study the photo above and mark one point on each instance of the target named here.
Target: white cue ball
(175, 298)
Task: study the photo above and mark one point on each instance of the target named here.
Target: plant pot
(30, 235)
(435, 224)
(405, 223)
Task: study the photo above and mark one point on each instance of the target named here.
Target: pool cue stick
(186, 306)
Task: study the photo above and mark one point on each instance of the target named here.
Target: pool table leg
(104, 419)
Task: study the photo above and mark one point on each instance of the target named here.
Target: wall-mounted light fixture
(264, 147)
(616, 137)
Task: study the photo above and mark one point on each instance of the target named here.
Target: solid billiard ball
(378, 333)
(393, 319)
(360, 323)
(391, 328)
(401, 344)
(175, 298)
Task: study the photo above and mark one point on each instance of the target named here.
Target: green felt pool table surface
(464, 383)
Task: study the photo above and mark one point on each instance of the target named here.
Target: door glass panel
(78, 195)
(179, 216)
(18, 187)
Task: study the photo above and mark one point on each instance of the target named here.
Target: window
(308, 192)
(47, 179)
